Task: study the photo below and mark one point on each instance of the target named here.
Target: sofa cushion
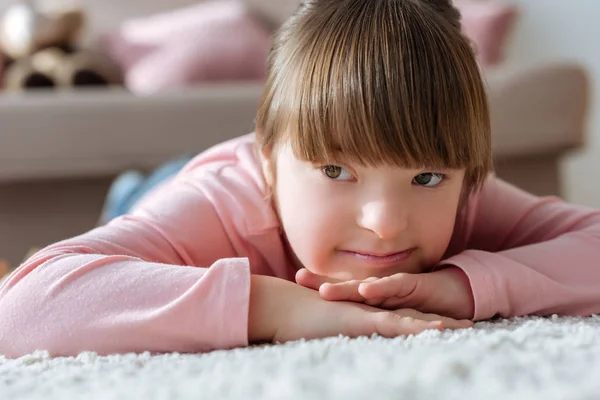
(213, 41)
(488, 24)
(275, 12)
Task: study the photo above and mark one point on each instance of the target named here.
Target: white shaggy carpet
(529, 358)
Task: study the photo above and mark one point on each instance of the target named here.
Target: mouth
(375, 258)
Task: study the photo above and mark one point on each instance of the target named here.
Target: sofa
(59, 152)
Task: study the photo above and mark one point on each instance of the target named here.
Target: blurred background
(102, 100)
(552, 31)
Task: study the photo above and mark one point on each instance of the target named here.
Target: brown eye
(337, 173)
(428, 179)
(332, 171)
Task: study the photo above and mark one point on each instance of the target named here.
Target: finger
(398, 285)
(377, 302)
(394, 303)
(447, 322)
(451, 323)
(305, 278)
(343, 291)
(311, 280)
(390, 325)
(347, 290)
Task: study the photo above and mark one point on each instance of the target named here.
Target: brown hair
(381, 82)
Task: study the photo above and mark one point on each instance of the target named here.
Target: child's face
(352, 222)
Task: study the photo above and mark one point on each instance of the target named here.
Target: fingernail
(324, 287)
(363, 287)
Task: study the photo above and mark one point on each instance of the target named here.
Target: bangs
(383, 84)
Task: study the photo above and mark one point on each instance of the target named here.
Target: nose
(386, 217)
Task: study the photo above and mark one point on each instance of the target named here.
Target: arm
(133, 285)
(530, 255)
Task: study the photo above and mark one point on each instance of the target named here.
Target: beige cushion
(274, 12)
(528, 109)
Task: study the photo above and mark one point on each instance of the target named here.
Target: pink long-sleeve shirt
(175, 274)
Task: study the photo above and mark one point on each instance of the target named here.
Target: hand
(281, 311)
(446, 291)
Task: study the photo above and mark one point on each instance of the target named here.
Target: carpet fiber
(528, 358)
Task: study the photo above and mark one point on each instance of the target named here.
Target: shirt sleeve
(530, 255)
(165, 279)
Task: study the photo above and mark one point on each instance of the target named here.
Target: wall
(548, 30)
(551, 30)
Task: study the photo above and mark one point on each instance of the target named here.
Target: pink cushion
(488, 24)
(211, 41)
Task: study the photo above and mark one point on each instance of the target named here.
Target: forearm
(268, 299)
(508, 285)
(114, 304)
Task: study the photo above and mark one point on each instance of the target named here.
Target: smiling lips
(384, 259)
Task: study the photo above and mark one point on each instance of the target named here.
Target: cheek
(310, 221)
(434, 226)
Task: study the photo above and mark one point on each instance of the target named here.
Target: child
(371, 159)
